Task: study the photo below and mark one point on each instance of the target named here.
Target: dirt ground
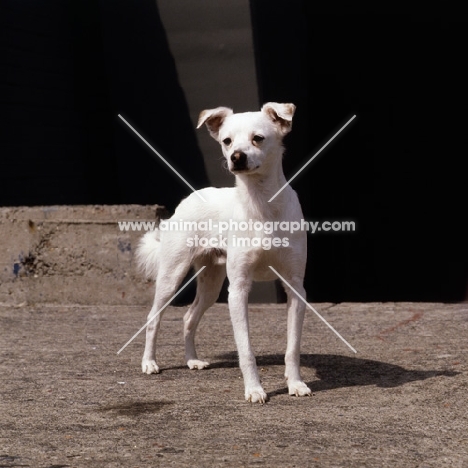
(68, 400)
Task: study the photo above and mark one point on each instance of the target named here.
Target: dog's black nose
(239, 160)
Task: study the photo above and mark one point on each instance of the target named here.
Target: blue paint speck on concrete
(16, 268)
(124, 246)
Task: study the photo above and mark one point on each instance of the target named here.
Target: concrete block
(71, 255)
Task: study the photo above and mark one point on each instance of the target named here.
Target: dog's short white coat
(165, 257)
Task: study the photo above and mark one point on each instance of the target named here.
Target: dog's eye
(227, 141)
(258, 138)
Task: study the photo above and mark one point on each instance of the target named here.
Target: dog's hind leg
(168, 280)
(209, 283)
(296, 310)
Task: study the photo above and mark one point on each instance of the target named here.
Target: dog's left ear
(280, 114)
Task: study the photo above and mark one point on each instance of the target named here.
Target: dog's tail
(147, 254)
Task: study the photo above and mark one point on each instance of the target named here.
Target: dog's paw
(197, 364)
(149, 366)
(256, 395)
(299, 388)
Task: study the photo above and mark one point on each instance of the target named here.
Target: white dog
(252, 145)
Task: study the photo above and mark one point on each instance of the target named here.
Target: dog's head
(251, 141)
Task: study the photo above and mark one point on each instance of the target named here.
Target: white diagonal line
(312, 158)
(161, 309)
(162, 159)
(313, 310)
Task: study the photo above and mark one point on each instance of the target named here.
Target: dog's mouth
(243, 169)
(239, 169)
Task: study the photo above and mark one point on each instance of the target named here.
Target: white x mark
(313, 310)
(312, 158)
(161, 309)
(161, 158)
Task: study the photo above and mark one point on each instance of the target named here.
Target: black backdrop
(397, 170)
(70, 67)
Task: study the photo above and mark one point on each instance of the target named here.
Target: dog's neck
(254, 191)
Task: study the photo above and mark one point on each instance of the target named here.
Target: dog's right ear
(214, 118)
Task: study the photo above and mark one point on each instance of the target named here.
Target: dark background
(69, 67)
(398, 170)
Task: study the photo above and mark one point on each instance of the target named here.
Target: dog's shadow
(334, 371)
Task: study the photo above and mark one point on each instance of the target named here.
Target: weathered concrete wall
(70, 255)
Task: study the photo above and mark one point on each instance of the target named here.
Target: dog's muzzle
(239, 161)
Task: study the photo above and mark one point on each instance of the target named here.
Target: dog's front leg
(238, 309)
(296, 310)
